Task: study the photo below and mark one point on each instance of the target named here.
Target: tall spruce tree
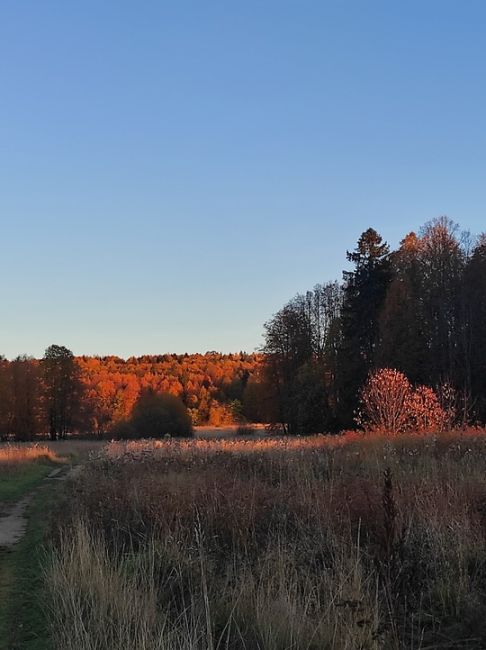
(364, 293)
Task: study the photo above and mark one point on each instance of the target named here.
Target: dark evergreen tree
(474, 288)
(364, 294)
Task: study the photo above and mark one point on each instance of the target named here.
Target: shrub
(154, 416)
(425, 411)
(123, 430)
(389, 403)
(385, 401)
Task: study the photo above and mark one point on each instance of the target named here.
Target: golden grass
(13, 455)
(268, 445)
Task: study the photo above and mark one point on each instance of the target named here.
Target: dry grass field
(343, 542)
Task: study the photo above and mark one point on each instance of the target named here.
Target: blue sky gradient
(172, 173)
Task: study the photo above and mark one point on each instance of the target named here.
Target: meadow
(342, 542)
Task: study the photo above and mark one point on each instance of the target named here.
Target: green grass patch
(23, 624)
(16, 484)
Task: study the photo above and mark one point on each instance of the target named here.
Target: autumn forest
(419, 309)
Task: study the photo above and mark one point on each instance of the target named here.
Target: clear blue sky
(172, 172)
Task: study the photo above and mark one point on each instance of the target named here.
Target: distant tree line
(61, 393)
(212, 386)
(420, 310)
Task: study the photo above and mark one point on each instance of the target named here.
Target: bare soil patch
(13, 523)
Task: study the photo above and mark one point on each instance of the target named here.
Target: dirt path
(13, 520)
(14, 523)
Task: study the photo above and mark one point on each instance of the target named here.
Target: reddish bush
(389, 403)
(425, 411)
(385, 401)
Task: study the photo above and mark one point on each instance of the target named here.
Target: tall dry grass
(14, 458)
(275, 544)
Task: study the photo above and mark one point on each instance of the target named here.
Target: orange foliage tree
(210, 385)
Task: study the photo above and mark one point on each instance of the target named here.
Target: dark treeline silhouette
(61, 393)
(420, 309)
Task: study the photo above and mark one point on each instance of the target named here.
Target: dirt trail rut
(13, 521)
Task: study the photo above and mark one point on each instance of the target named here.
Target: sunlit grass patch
(22, 467)
(13, 456)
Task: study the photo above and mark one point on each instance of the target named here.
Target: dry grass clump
(101, 602)
(275, 544)
(15, 457)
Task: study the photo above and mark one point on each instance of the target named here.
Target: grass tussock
(276, 544)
